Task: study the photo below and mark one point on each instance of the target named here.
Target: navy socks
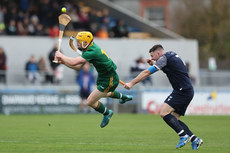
(187, 130)
(174, 124)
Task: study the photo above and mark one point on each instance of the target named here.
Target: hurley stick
(63, 19)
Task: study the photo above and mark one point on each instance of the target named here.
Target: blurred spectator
(120, 30)
(21, 16)
(107, 20)
(33, 25)
(2, 24)
(26, 22)
(3, 66)
(137, 66)
(12, 15)
(11, 29)
(45, 12)
(84, 19)
(55, 12)
(105, 14)
(41, 31)
(24, 5)
(102, 33)
(22, 30)
(58, 74)
(54, 31)
(44, 71)
(85, 80)
(2, 28)
(94, 17)
(74, 18)
(57, 69)
(104, 29)
(32, 71)
(1, 14)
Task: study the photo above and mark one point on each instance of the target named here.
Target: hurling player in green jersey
(107, 80)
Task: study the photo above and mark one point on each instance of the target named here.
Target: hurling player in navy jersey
(177, 102)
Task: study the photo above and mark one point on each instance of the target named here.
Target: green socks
(119, 95)
(102, 109)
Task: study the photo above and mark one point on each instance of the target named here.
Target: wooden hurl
(63, 19)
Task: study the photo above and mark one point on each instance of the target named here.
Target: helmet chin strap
(83, 45)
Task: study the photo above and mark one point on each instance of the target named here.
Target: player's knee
(109, 94)
(165, 110)
(162, 114)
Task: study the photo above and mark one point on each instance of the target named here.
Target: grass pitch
(126, 133)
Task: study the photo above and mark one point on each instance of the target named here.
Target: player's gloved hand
(150, 61)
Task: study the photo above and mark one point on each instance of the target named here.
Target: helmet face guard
(85, 38)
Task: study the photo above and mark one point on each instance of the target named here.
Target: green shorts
(107, 84)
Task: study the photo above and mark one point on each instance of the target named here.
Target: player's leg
(118, 95)
(82, 105)
(85, 96)
(172, 121)
(111, 90)
(186, 129)
(82, 101)
(93, 101)
(196, 141)
(30, 77)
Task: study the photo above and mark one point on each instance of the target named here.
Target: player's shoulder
(94, 47)
(87, 54)
(170, 53)
(92, 51)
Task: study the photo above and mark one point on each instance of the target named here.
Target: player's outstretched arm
(76, 67)
(143, 75)
(74, 63)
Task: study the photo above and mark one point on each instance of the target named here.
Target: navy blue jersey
(175, 69)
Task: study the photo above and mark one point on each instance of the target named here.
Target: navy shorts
(84, 93)
(179, 100)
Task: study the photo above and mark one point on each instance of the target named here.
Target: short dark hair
(156, 47)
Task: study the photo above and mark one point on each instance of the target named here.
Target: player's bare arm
(69, 60)
(76, 67)
(73, 63)
(143, 75)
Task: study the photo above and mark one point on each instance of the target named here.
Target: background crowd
(40, 71)
(40, 18)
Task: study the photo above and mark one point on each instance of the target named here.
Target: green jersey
(103, 64)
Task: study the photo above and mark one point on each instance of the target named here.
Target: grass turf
(126, 133)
